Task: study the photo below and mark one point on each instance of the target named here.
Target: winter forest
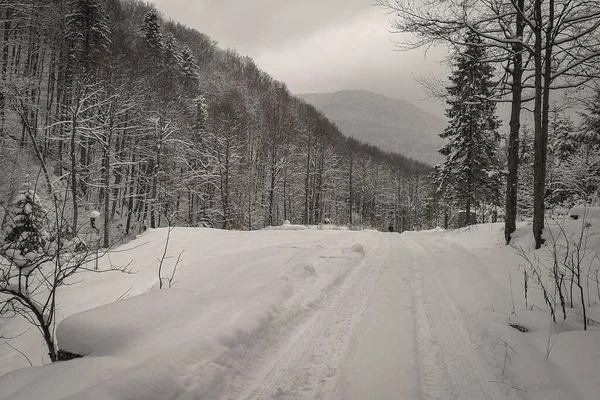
(119, 125)
(107, 106)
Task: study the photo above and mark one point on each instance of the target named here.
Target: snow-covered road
(307, 314)
(388, 330)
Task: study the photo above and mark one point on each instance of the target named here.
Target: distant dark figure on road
(391, 229)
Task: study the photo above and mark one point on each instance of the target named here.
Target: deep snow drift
(228, 287)
(305, 314)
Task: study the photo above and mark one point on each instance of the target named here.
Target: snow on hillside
(316, 313)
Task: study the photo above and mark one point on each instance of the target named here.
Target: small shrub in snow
(170, 280)
(565, 269)
(518, 327)
(63, 355)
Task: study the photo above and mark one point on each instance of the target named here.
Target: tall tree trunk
(106, 170)
(542, 78)
(74, 162)
(4, 68)
(225, 185)
(538, 217)
(307, 181)
(118, 171)
(351, 188)
(512, 181)
(546, 101)
(153, 194)
(131, 196)
(285, 199)
(190, 206)
(155, 169)
(319, 190)
(272, 183)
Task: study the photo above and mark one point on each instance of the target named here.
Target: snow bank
(585, 212)
(287, 228)
(329, 227)
(234, 292)
(485, 278)
(134, 329)
(436, 229)
(295, 227)
(59, 380)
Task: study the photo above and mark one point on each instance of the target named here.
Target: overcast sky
(315, 45)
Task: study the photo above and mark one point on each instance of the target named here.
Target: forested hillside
(384, 122)
(107, 106)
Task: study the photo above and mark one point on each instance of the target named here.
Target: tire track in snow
(449, 367)
(381, 360)
(303, 368)
(433, 375)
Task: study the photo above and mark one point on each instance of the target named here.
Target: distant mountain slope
(390, 124)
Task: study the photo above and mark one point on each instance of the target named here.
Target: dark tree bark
(538, 182)
(543, 79)
(307, 180)
(510, 223)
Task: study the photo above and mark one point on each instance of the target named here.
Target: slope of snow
(228, 287)
(484, 280)
(307, 314)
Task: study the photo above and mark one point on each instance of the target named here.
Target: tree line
(149, 122)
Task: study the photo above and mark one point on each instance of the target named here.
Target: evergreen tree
(573, 162)
(151, 31)
(525, 174)
(87, 33)
(590, 127)
(562, 145)
(563, 139)
(470, 173)
(25, 238)
(200, 125)
(171, 65)
(189, 67)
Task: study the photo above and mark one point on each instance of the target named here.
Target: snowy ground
(309, 314)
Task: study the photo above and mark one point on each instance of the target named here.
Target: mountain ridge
(391, 124)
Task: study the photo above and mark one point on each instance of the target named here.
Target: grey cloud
(315, 45)
(258, 24)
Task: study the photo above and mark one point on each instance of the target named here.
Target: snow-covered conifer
(189, 65)
(470, 173)
(87, 32)
(151, 31)
(25, 237)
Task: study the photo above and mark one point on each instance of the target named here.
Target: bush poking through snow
(568, 267)
(518, 327)
(169, 280)
(63, 355)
